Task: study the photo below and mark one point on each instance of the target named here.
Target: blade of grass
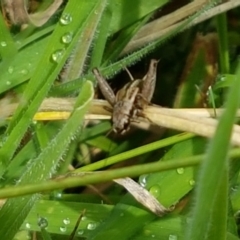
(7, 46)
(113, 52)
(56, 54)
(213, 167)
(127, 12)
(135, 152)
(58, 211)
(104, 176)
(101, 38)
(221, 23)
(111, 70)
(75, 66)
(218, 220)
(22, 66)
(15, 210)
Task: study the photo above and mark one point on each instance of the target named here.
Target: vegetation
(57, 167)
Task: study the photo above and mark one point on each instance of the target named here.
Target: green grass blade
(79, 55)
(213, 167)
(62, 216)
(112, 69)
(114, 51)
(15, 210)
(98, 177)
(101, 38)
(7, 46)
(135, 152)
(21, 66)
(127, 12)
(48, 68)
(221, 22)
(218, 220)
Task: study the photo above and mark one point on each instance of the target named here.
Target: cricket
(130, 100)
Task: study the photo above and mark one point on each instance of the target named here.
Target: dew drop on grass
(3, 44)
(8, 83)
(143, 180)
(80, 232)
(24, 71)
(172, 237)
(28, 225)
(66, 221)
(10, 70)
(42, 222)
(63, 229)
(91, 226)
(34, 122)
(65, 19)
(67, 38)
(180, 170)
(155, 190)
(58, 195)
(192, 182)
(57, 55)
(221, 77)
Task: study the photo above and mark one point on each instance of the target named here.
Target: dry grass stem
(197, 121)
(160, 27)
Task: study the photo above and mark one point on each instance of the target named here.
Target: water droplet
(153, 236)
(42, 222)
(143, 180)
(57, 55)
(192, 182)
(84, 218)
(155, 190)
(91, 226)
(80, 232)
(222, 78)
(56, 195)
(172, 237)
(66, 221)
(8, 83)
(67, 38)
(65, 19)
(28, 225)
(63, 229)
(3, 44)
(10, 69)
(24, 71)
(180, 170)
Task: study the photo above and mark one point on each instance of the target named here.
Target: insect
(130, 100)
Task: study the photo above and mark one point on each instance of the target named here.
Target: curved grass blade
(15, 210)
(7, 46)
(46, 72)
(212, 170)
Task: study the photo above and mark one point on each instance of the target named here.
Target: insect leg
(149, 81)
(104, 87)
